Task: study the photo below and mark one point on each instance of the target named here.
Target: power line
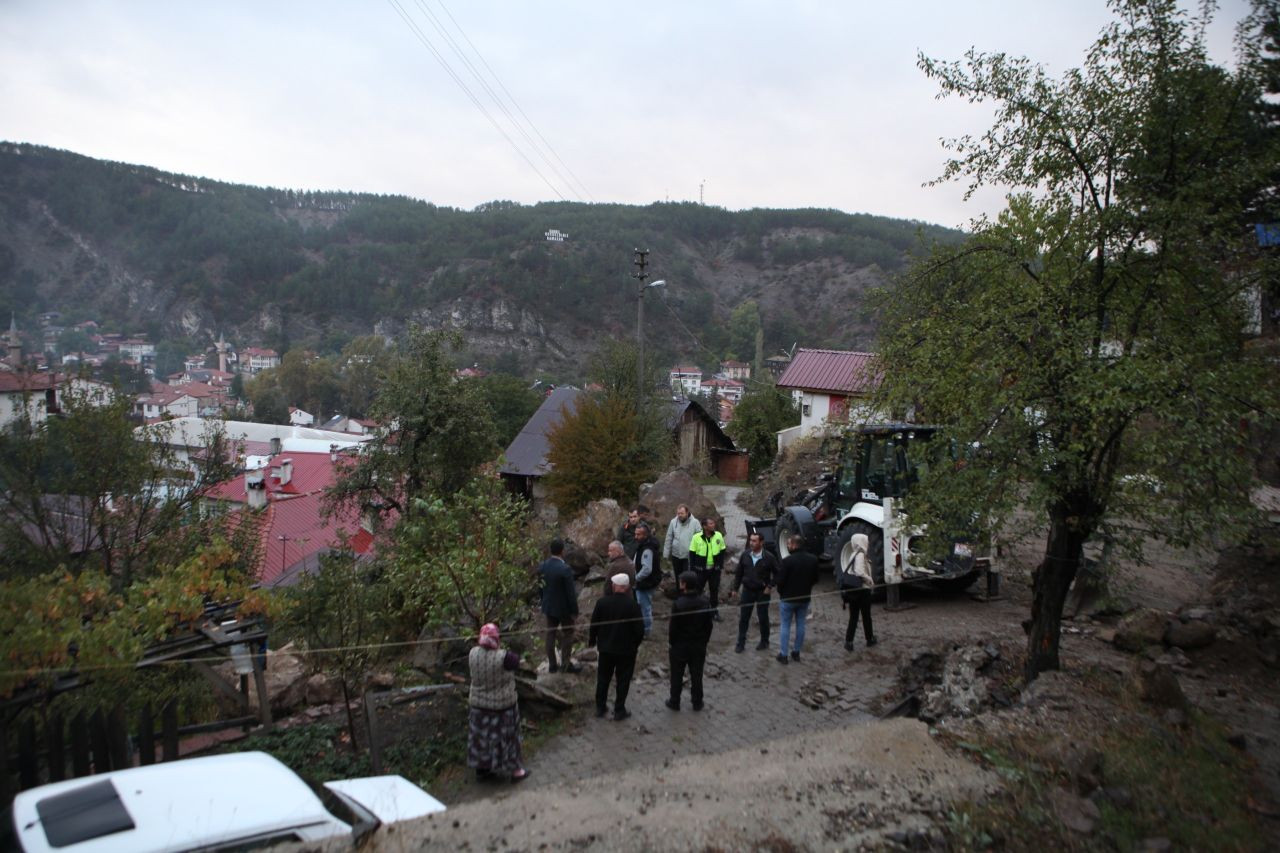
(426, 42)
(532, 633)
(514, 102)
(497, 100)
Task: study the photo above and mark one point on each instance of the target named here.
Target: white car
(238, 801)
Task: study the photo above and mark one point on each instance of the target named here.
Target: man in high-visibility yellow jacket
(706, 557)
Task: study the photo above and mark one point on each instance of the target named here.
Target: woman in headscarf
(493, 735)
(855, 584)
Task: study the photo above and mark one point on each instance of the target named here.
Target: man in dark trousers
(617, 628)
(560, 606)
(797, 573)
(706, 557)
(755, 576)
(688, 633)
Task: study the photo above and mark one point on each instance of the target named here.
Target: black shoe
(554, 667)
(872, 642)
(573, 669)
(739, 648)
(600, 712)
(782, 658)
(763, 644)
(697, 706)
(675, 706)
(484, 775)
(620, 715)
(795, 656)
(848, 647)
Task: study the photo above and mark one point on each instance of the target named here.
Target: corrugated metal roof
(832, 371)
(527, 454)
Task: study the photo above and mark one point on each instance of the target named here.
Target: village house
(254, 360)
(831, 388)
(701, 444)
(686, 379)
(727, 389)
(738, 370)
(279, 496)
(298, 417)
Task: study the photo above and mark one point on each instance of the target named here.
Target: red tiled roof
(831, 371)
(687, 368)
(11, 382)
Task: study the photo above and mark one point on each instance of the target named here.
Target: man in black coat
(617, 629)
(755, 576)
(560, 606)
(688, 633)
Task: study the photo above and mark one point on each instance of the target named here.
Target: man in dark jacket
(617, 628)
(688, 633)
(560, 606)
(797, 574)
(648, 562)
(755, 577)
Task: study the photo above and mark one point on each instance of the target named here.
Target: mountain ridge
(182, 257)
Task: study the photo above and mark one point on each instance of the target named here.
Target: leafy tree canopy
(1088, 345)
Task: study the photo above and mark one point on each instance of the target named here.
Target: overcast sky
(771, 104)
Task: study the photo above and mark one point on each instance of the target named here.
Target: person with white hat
(617, 629)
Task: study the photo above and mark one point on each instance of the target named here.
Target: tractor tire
(875, 550)
(797, 520)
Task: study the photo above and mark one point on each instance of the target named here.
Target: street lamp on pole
(640, 337)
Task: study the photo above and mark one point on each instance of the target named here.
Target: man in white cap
(617, 629)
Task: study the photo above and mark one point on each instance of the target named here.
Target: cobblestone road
(750, 697)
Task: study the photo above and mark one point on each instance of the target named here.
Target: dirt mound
(797, 469)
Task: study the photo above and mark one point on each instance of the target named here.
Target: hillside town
(641, 493)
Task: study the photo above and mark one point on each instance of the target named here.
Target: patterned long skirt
(493, 740)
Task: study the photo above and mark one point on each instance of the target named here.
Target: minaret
(221, 346)
(15, 343)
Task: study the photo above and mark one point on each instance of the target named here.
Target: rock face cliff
(187, 259)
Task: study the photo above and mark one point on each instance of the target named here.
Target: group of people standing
(623, 618)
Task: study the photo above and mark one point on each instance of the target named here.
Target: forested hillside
(183, 258)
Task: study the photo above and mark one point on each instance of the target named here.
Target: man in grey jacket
(679, 533)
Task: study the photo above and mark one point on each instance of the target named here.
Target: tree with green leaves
(341, 613)
(462, 560)
(598, 450)
(86, 490)
(512, 402)
(437, 431)
(1087, 348)
(759, 415)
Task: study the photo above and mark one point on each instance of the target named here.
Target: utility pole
(640, 261)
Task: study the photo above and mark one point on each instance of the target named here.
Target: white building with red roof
(254, 360)
(686, 379)
(831, 387)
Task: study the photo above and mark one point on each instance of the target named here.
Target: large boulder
(963, 691)
(671, 490)
(440, 648)
(579, 559)
(286, 677)
(596, 526)
(1192, 634)
(1156, 683)
(675, 488)
(1141, 629)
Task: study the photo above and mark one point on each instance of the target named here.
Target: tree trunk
(1062, 556)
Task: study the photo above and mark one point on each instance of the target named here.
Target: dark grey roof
(527, 455)
(680, 406)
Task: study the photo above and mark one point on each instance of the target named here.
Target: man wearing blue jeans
(796, 576)
(755, 577)
(648, 572)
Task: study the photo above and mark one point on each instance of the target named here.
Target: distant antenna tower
(700, 186)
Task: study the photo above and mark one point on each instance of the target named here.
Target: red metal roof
(292, 527)
(831, 371)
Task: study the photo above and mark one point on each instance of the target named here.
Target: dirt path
(840, 788)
